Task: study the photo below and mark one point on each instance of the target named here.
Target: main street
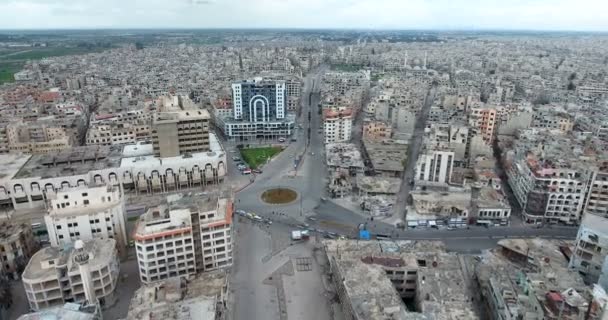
(413, 151)
(263, 281)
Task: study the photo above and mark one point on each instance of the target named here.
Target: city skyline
(539, 15)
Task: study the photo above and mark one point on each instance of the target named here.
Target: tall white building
(337, 125)
(188, 234)
(435, 166)
(86, 213)
(54, 275)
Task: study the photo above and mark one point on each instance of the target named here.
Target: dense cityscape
(303, 174)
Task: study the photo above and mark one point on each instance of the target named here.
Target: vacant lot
(7, 70)
(12, 62)
(258, 156)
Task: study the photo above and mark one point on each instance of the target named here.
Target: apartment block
(180, 132)
(54, 275)
(591, 248)
(117, 133)
(597, 198)
(17, 245)
(484, 119)
(549, 175)
(86, 213)
(435, 166)
(337, 125)
(185, 235)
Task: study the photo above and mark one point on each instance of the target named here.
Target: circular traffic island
(279, 196)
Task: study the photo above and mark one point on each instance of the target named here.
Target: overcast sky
(584, 15)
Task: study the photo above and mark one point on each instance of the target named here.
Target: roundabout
(279, 196)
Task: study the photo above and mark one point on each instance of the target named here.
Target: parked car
(257, 171)
(281, 139)
(246, 171)
(236, 159)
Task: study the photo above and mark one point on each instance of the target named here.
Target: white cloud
(397, 14)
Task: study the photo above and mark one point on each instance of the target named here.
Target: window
(85, 194)
(86, 202)
(58, 227)
(60, 236)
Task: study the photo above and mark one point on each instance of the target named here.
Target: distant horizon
(464, 30)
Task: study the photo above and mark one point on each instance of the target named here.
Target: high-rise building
(55, 276)
(86, 213)
(259, 111)
(186, 235)
(337, 125)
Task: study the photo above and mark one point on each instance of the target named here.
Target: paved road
(412, 155)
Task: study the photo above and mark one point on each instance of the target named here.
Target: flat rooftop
(84, 159)
(181, 115)
(74, 161)
(386, 156)
(343, 155)
(440, 280)
(370, 291)
(180, 299)
(101, 252)
(69, 311)
(11, 164)
(380, 185)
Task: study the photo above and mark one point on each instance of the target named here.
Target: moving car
(257, 171)
(281, 139)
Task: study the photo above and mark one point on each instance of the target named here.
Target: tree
(571, 86)
(572, 76)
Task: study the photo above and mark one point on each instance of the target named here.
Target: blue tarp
(364, 235)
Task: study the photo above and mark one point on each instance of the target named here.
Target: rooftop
(69, 311)
(343, 155)
(178, 298)
(440, 280)
(74, 161)
(101, 252)
(378, 184)
(9, 232)
(174, 214)
(386, 155)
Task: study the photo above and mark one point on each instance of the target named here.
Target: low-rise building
(199, 298)
(376, 130)
(17, 245)
(55, 276)
(187, 234)
(86, 213)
